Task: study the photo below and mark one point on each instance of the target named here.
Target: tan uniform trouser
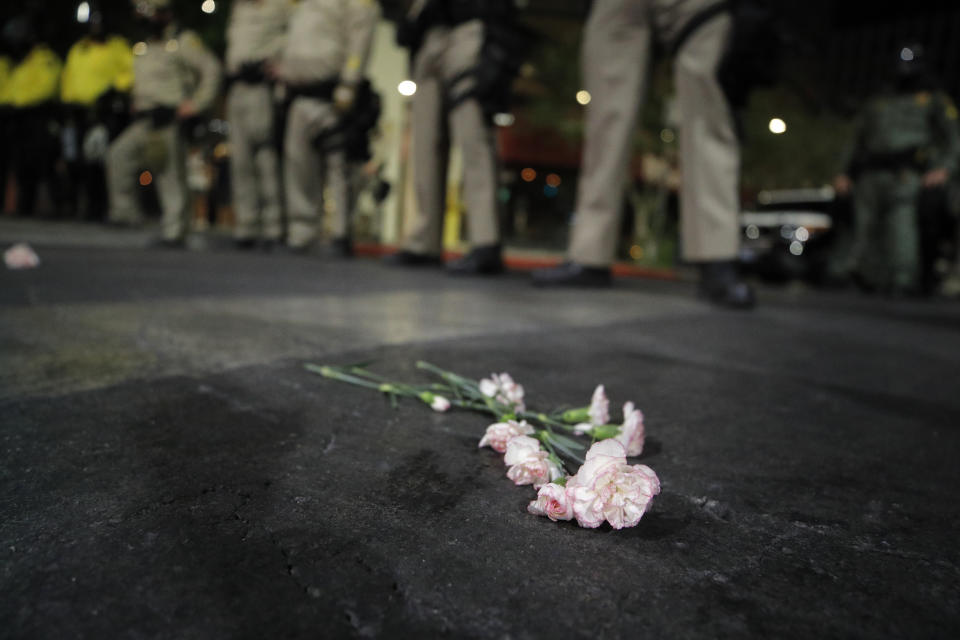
(445, 54)
(137, 148)
(616, 59)
(307, 173)
(254, 162)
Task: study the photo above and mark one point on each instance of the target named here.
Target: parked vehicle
(787, 235)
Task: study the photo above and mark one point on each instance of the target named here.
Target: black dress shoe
(245, 244)
(572, 274)
(720, 284)
(404, 258)
(343, 247)
(481, 261)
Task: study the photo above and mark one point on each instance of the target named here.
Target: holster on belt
(322, 90)
(352, 132)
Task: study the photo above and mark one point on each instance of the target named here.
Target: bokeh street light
(777, 126)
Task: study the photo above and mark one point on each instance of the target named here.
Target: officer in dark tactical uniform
(906, 141)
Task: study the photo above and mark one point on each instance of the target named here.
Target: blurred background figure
(98, 73)
(176, 79)
(615, 58)
(255, 39)
(6, 67)
(448, 41)
(906, 145)
(323, 64)
(30, 102)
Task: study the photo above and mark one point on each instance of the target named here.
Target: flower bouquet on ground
(541, 449)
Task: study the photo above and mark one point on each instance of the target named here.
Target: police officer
(30, 99)
(96, 65)
(175, 79)
(255, 39)
(323, 63)
(615, 60)
(447, 42)
(906, 141)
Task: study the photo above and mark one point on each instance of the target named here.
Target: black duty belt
(249, 73)
(158, 116)
(913, 158)
(322, 90)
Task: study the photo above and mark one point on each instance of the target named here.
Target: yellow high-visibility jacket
(94, 68)
(35, 80)
(6, 66)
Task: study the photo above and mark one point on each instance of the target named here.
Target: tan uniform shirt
(169, 70)
(329, 38)
(257, 31)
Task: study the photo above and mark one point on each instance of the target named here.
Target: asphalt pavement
(169, 469)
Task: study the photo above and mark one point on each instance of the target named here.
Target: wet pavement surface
(168, 469)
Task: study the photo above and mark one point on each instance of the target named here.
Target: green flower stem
(336, 374)
(465, 394)
(576, 416)
(605, 431)
(360, 371)
(449, 376)
(396, 387)
(466, 404)
(544, 419)
(544, 438)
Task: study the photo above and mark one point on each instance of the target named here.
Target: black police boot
(404, 258)
(481, 261)
(572, 274)
(342, 247)
(720, 284)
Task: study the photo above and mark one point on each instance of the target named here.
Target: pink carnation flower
(21, 256)
(599, 412)
(553, 502)
(629, 495)
(519, 448)
(599, 406)
(439, 403)
(499, 434)
(607, 488)
(632, 433)
(528, 463)
(504, 390)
